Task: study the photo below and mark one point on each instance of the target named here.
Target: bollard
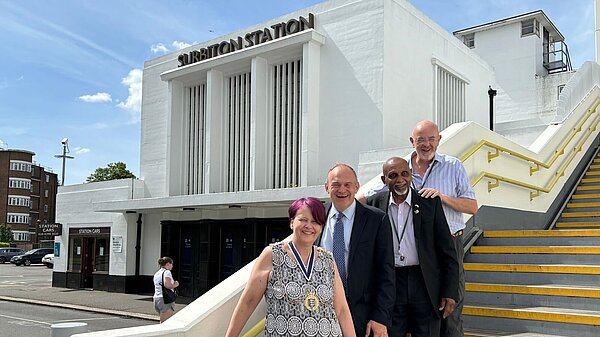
(68, 329)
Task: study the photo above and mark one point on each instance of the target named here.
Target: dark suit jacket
(437, 255)
(371, 280)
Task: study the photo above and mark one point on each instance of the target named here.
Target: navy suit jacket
(371, 280)
(437, 255)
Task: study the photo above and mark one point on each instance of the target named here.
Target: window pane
(75, 255)
(102, 252)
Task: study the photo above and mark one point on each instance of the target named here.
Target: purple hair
(314, 205)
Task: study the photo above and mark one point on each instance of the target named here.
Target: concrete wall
(75, 209)
(375, 81)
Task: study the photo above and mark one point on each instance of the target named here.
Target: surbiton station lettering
(254, 38)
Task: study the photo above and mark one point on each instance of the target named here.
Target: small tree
(111, 172)
(6, 234)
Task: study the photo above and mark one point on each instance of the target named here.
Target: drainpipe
(491, 94)
(138, 246)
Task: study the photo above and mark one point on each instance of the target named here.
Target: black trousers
(452, 326)
(413, 311)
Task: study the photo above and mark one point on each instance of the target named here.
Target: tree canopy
(113, 171)
(6, 234)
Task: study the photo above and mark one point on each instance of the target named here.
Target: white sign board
(117, 243)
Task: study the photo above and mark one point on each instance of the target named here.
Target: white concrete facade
(527, 92)
(216, 135)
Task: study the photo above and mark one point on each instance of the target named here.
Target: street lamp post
(64, 156)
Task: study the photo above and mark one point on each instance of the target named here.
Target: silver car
(7, 253)
(48, 260)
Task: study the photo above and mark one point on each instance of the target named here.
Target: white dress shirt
(348, 219)
(400, 216)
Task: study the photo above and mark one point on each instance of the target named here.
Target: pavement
(126, 305)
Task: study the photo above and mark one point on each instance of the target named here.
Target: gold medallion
(311, 302)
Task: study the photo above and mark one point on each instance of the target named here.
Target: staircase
(539, 282)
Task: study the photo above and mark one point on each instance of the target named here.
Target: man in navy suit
(424, 255)
(360, 238)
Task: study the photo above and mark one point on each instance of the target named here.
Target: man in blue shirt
(435, 174)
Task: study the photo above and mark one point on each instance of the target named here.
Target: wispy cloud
(100, 97)
(160, 48)
(81, 150)
(3, 144)
(133, 103)
(180, 45)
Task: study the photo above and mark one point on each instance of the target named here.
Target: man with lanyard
(433, 175)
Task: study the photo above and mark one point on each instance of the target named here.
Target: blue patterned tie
(339, 247)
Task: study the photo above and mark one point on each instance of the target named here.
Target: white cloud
(100, 97)
(180, 45)
(3, 145)
(81, 150)
(134, 100)
(159, 48)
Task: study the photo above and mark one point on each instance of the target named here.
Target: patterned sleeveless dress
(288, 290)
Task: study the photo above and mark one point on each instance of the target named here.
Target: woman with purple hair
(300, 282)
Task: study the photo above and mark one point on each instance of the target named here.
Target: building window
(560, 89)
(15, 200)
(286, 124)
(47, 178)
(46, 208)
(530, 27)
(450, 97)
(469, 40)
(18, 165)
(17, 218)
(21, 236)
(237, 129)
(46, 193)
(19, 183)
(195, 138)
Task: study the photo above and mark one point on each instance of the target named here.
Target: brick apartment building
(27, 197)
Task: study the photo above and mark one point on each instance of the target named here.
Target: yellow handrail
(560, 151)
(255, 330)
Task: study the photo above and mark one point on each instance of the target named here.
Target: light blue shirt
(447, 175)
(348, 219)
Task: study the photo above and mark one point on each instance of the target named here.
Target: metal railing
(537, 164)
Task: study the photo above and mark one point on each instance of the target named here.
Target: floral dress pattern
(288, 290)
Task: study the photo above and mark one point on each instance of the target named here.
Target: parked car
(48, 260)
(7, 253)
(32, 256)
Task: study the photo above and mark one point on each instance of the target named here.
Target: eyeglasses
(422, 140)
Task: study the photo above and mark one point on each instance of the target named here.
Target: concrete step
(533, 259)
(563, 237)
(573, 250)
(578, 224)
(588, 188)
(489, 333)
(528, 274)
(542, 320)
(586, 196)
(580, 214)
(583, 204)
(556, 296)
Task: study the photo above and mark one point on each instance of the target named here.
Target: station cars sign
(45, 229)
(250, 39)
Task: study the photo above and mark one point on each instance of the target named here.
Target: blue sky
(72, 68)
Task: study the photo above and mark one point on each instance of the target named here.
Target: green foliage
(6, 234)
(4, 244)
(113, 171)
